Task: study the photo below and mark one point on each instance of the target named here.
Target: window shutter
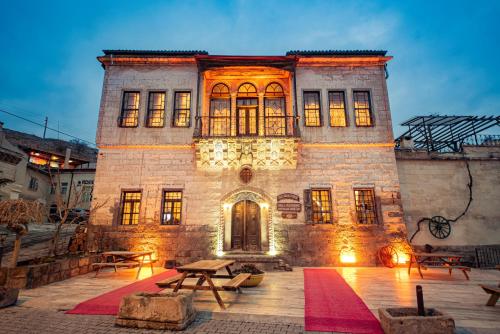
(308, 206)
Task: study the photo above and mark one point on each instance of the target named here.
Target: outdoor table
(125, 259)
(437, 260)
(205, 271)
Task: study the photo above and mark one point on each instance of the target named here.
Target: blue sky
(445, 52)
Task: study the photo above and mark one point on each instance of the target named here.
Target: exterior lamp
(347, 256)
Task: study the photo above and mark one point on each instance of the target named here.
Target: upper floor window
(220, 111)
(247, 110)
(312, 109)
(182, 109)
(156, 110)
(172, 207)
(362, 108)
(365, 206)
(87, 194)
(129, 117)
(336, 104)
(130, 207)
(64, 187)
(33, 185)
(274, 110)
(318, 205)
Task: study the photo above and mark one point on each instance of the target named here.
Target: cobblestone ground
(36, 321)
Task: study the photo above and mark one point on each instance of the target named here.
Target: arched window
(247, 110)
(220, 111)
(274, 110)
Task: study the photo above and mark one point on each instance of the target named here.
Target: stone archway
(265, 205)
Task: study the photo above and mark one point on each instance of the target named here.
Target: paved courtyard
(277, 306)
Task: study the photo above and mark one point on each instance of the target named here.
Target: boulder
(172, 311)
(8, 296)
(407, 321)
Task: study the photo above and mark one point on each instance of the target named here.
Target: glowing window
(321, 205)
(130, 207)
(156, 110)
(172, 207)
(182, 109)
(362, 108)
(220, 111)
(365, 206)
(336, 104)
(312, 109)
(247, 90)
(129, 117)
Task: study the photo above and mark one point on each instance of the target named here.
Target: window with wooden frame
(129, 117)
(182, 109)
(33, 185)
(220, 111)
(318, 205)
(172, 207)
(312, 108)
(362, 108)
(130, 207)
(337, 108)
(274, 110)
(247, 110)
(156, 110)
(366, 209)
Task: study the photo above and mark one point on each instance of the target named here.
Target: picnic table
(205, 271)
(124, 259)
(446, 261)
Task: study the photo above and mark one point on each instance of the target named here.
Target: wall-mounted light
(264, 205)
(227, 206)
(347, 256)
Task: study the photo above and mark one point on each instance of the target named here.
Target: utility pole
(45, 126)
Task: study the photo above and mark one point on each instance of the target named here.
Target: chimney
(66, 158)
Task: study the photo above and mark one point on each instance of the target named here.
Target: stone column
(233, 114)
(261, 114)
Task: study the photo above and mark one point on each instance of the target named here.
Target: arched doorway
(245, 226)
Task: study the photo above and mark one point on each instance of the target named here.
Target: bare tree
(62, 209)
(16, 214)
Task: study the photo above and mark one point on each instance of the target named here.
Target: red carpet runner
(109, 303)
(332, 306)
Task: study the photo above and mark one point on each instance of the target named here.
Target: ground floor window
(130, 207)
(318, 206)
(365, 206)
(172, 207)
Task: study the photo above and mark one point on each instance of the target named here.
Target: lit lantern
(347, 256)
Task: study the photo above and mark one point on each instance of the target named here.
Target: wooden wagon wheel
(388, 256)
(439, 227)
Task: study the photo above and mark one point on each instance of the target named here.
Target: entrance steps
(261, 260)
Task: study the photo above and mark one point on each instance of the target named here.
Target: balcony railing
(271, 126)
(482, 140)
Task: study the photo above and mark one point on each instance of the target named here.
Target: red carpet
(332, 306)
(109, 303)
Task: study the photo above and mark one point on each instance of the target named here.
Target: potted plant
(256, 277)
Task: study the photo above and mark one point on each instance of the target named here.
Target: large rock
(8, 296)
(406, 321)
(170, 310)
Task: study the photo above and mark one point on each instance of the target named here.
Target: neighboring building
(24, 161)
(288, 156)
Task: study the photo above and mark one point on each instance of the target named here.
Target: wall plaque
(289, 196)
(289, 207)
(289, 215)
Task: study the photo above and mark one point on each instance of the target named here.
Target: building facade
(288, 157)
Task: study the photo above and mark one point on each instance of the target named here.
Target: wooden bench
(235, 283)
(494, 291)
(166, 282)
(464, 269)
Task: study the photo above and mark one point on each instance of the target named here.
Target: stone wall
(33, 276)
(436, 185)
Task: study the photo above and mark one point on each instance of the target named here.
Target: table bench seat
(424, 266)
(236, 282)
(494, 291)
(166, 282)
(111, 264)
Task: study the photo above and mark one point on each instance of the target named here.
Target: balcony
(226, 143)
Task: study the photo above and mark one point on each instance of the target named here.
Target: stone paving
(34, 321)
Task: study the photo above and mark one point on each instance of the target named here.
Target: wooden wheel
(439, 227)
(388, 256)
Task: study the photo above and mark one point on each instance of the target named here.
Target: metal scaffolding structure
(447, 133)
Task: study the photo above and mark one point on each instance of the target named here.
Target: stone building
(288, 157)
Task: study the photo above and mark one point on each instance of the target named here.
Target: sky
(446, 53)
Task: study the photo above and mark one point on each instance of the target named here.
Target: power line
(44, 126)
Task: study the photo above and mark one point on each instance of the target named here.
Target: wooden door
(245, 226)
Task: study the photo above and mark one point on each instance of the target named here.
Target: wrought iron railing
(273, 126)
(482, 140)
(487, 257)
